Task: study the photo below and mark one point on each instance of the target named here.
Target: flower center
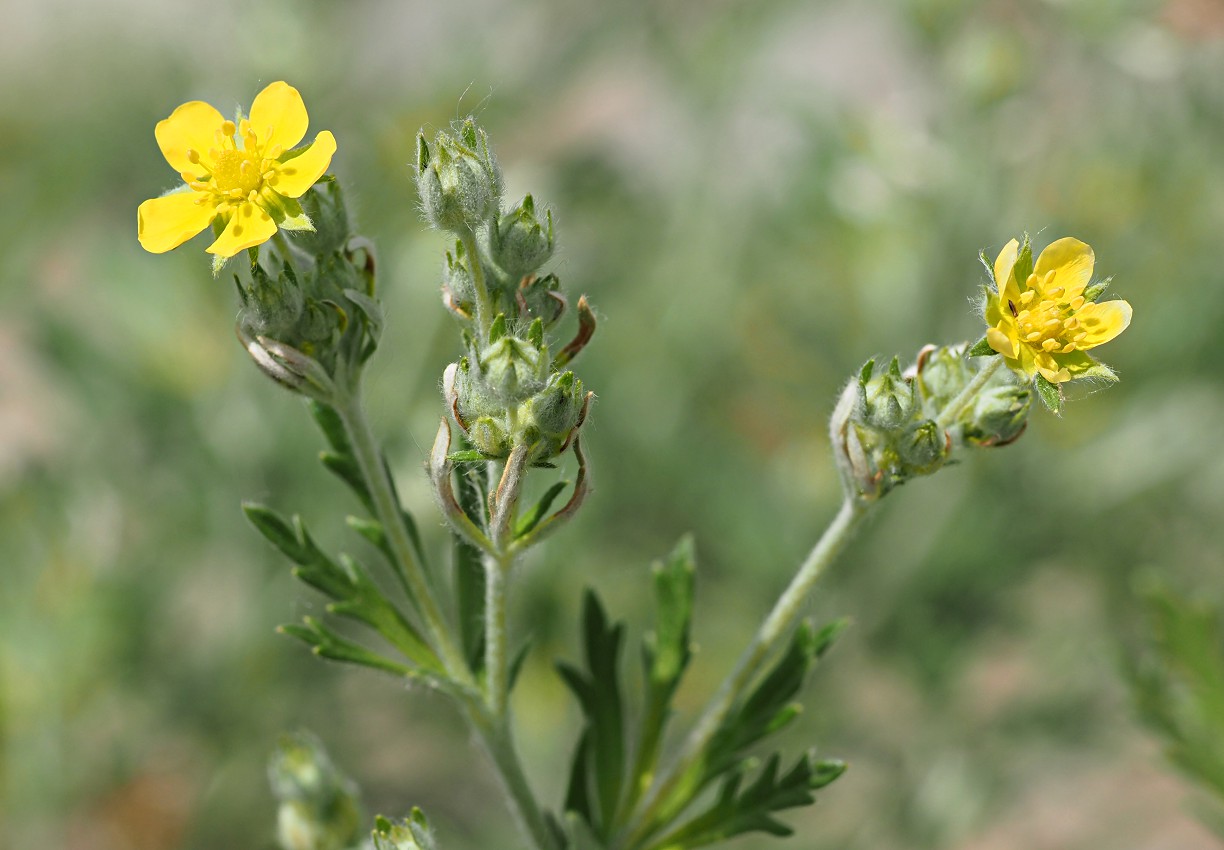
(233, 169)
(1046, 319)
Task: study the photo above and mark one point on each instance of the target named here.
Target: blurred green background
(756, 196)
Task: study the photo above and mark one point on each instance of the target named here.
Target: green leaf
(665, 655)
(346, 469)
(467, 456)
(332, 426)
(1050, 394)
(469, 574)
(276, 530)
(734, 812)
(981, 348)
(373, 531)
(599, 694)
(326, 643)
(531, 518)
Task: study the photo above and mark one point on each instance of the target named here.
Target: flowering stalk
(311, 320)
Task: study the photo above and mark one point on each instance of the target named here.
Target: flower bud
(922, 449)
(550, 419)
(999, 415)
(324, 205)
(513, 368)
(488, 437)
(886, 400)
(458, 290)
(460, 182)
(411, 834)
(523, 242)
(318, 804)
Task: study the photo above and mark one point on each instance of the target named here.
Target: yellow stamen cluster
(1048, 322)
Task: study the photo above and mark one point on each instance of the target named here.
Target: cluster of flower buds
(510, 389)
(307, 316)
(890, 426)
(318, 803)
(511, 393)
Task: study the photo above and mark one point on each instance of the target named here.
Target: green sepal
(467, 456)
(1095, 370)
(981, 348)
(539, 510)
(370, 308)
(989, 266)
(1024, 263)
(1093, 293)
(288, 214)
(497, 329)
(1050, 394)
(865, 373)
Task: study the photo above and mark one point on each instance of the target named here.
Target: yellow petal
(278, 116)
(1004, 262)
(1102, 322)
(1071, 261)
(193, 126)
(1001, 341)
(294, 177)
(248, 227)
(165, 223)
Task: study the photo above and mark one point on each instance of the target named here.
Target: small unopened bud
(887, 399)
(922, 449)
(999, 415)
(459, 181)
(524, 242)
(513, 368)
(318, 804)
(489, 437)
(413, 833)
(550, 419)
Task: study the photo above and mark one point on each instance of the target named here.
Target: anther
(1056, 292)
(1077, 302)
(1068, 348)
(1031, 283)
(1080, 337)
(193, 156)
(228, 128)
(1050, 344)
(1033, 337)
(1027, 295)
(1071, 323)
(1049, 276)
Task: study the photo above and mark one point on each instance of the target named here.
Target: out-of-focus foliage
(1179, 685)
(758, 196)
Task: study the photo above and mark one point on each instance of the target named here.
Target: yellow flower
(1040, 318)
(242, 174)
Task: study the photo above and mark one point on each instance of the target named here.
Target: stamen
(1077, 302)
(1028, 295)
(1049, 277)
(1033, 337)
(198, 185)
(228, 128)
(1023, 314)
(1080, 337)
(1050, 344)
(1068, 348)
(274, 151)
(1031, 283)
(193, 156)
(1071, 323)
(1056, 292)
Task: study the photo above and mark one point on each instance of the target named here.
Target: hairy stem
(499, 743)
(957, 405)
(387, 509)
(772, 631)
(484, 305)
